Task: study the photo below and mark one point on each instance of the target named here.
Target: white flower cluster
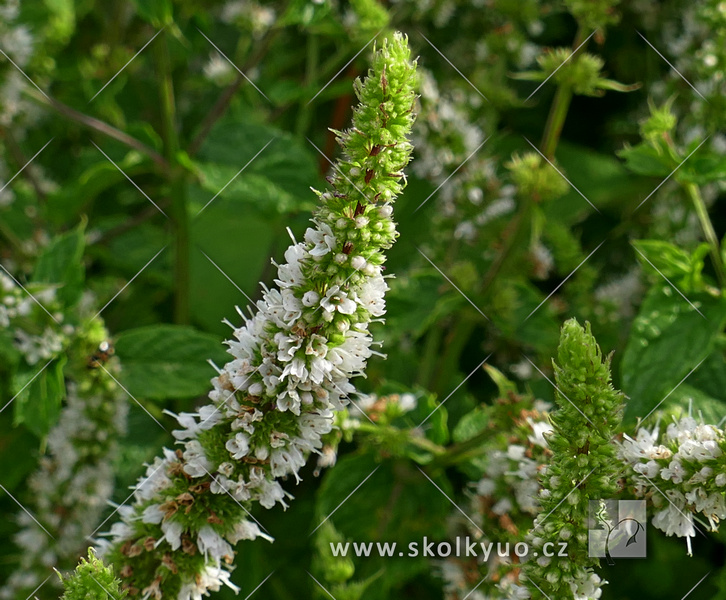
(274, 355)
(277, 356)
(70, 490)
(686, 465)
(499, 503)
(17, 306)
(17, 43)
(252, 16)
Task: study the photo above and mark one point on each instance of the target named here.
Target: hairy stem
(694, 193)
(179, 213)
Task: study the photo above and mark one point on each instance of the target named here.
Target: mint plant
(568, 169)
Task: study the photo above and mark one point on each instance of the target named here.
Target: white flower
(247, 530)
(211, 578)
(322, 240)
(172, 533)
(337, 300)
(152, 514)
(674, 520)
(210, 543)
(269, 493)
(310, 298)
(286, 461)
(239, 445)
(371, 295)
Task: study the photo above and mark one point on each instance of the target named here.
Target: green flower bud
(536, 178)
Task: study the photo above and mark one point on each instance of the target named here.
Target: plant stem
(101, 127)
(462, 450)
(415, 440)
(522, 220)
(694, 193)
(556, 120)
(177, 188)
(559, 108)
(430, 357)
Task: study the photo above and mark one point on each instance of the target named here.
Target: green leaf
(397, 503)
(396, 499)
(700, 403)
(60, 18)
(255, 190)
(703, 169)
(668, 339)
(676, 264)
(257, 162)
(39, 397)
(471, 424)
(644, 159)
(90, 179)
(167, 361)
(710, 377)
(436, 419)
(61, 263)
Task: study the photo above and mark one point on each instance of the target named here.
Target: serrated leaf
(668, 339)
(646, 160)
(61, 263)
(703, 169)
(237, 142)
(680, 267)
(167, 361)
(39, 397)
(471, 424)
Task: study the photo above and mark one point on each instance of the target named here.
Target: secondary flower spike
(583, 467)
(293, 361)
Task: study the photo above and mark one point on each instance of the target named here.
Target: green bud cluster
(594, 14)
(536, 178)
(583, 466)
(92, 580)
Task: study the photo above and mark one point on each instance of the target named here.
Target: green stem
(177, 188)
(694, 194)
(559, 108)
(430, 357)
(382, 431)
(555, 121)
(463, 450)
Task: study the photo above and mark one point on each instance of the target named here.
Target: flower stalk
(292, 362)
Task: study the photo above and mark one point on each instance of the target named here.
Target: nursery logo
(616, 529)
